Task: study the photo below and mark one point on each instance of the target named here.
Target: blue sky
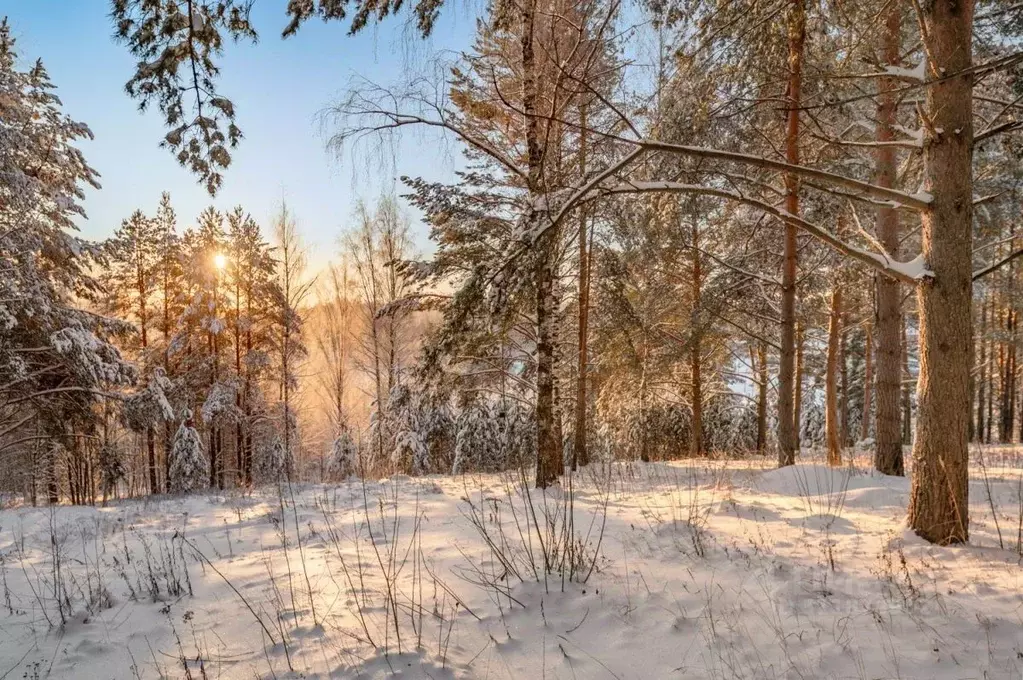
(279, 88)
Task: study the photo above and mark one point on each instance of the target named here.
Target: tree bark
(868, 381)
(696, 434)
(548, 455)
(991, 385)
(644, 450)
(166, 323)
(831, 423)
(239, 436)
(1010, 411)
(762, 398)
(1007, 411)
(888, 386)
(580, 454)
(843, 395)
(797, 407)
(786, 365)
(907, 399)
(938, 505)
(978, 431)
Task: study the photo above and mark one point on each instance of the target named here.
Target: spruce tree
(189, 468)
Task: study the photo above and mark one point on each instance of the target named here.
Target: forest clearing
(512, 338)
(693, 569)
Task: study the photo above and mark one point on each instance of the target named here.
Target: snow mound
(821, 480)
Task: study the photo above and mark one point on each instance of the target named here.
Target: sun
(219, 260)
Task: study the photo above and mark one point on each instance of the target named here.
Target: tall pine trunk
(786, 367)
(1007, 411)
(797, 415)
(888, 385)
(938, 505)
(239, 437)
(832, 427)
(762, 398)
(868, 381)
(978, 432)
(580, 454)
(696, 435)
(143, 313)
(907, 397)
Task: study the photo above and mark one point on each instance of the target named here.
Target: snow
(916, 74)
(915, 268)
(916, 135)
(706, 569)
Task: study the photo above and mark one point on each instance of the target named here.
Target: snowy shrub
(149, 406)
(477, 441)
(438, 428)
(111, 467)
(812, 431)
(660, 431)
(409, 451)
(221, 403)
(274, 460)
(379, 431)
(344, 456)
(189, 469)
(517, 438)
(730, 425)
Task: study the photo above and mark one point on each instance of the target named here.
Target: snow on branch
(917, 74)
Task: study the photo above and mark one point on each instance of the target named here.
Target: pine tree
(189, 468)
(409, 451)
(175, 45)
(56, 358)
(344, 456)
(276, 460)
(111, 468)
(477, 444)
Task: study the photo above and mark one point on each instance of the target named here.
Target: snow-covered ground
(695, 570)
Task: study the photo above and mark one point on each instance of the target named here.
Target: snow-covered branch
(911, 272)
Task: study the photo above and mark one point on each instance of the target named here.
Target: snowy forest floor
(705, 569)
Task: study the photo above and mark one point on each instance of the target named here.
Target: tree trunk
(154, 482)
(247, 444)
(831, 422)
(888, 386)
(786, 365)
(580, 455)
(548, 461)
(991, 385)
(797, 416)
(907, 399)
(166, 323)
(239, 437)
(1008, 377)
(762, 398)
(978, 431)
(696, 434)
(644, 451)
(548, 455)
(1010, 417)
(843, 395)
(938, 505)
(868, 381)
